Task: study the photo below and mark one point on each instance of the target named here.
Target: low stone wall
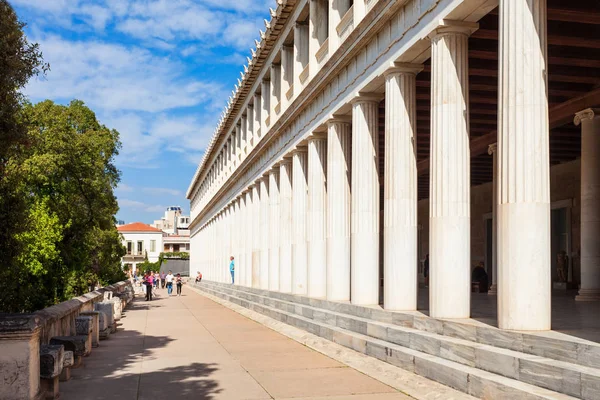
(22, 335)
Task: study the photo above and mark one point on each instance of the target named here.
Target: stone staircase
(472, 357)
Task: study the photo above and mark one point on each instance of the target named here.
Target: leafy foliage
(67, 177)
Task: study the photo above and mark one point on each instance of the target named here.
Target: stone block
(499, 338)
(108, 295)
(427, 344)
(403, 319)
(484, 385)
(69, 359)
(589, 355)
(590, 386)
(50, 388)
(428, 324)
(95, 315)
(550, 348)
(460, 330)
(400, 358)
(377, 350)
(498, 361)
(398, 336)
(117, 308)
(442, 371)
(51, 361)
(542, 373)
(460, 352)
(108, 310)
(307, 312)
(377, 330)
(76, 344)
(324, 317)
(382, 316)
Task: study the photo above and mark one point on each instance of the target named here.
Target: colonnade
(310, 225)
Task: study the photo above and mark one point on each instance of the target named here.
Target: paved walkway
(193, 348)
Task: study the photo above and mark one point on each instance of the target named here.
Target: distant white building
(141, 240)
(173, 222)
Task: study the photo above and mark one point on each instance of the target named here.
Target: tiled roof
(137, 227)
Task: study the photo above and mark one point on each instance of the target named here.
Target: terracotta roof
(137, 227)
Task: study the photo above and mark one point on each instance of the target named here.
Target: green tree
(68, 177)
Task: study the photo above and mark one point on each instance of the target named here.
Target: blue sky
(158, 71)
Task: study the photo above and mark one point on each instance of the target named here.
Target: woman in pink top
(148, 281)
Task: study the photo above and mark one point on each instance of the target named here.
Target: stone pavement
(191, 347)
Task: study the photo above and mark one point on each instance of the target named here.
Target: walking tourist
(179, 283)
(149, 281)
(232, 269)
(199, 277)
(169, 278)
(156, 280)
(162, 279)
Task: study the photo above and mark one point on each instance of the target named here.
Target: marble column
(492, 150)
(256, 235)
(287, 74)
(337, 10)
(339, 163)
(364, 288)
(266, 107)
(250, 128)
(299, 208)
(301, 36)
(524, 274)
(257, 131)
(275, 91)
(590, 204)
(318, 27)
(400, 257)
(238, 241)
(244, 137)
(360, 10)
(317, 223)
(248, 231)
(450, 178)
(264, 232)
(285, 225)
(274, 224)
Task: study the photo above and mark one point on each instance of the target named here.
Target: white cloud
(140, 206)
(155, 190)
(123, 188)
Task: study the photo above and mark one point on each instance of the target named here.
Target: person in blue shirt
(232, 269)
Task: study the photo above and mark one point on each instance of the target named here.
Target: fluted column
(318, 27)
(285, 226)
(339, 163)
(275, 91)
(317, 223)
(257, 132)
(248, 230)
(250, 129)
(256, 235)
(244, 137)
(274, 221)
(400, 257)
(301, 36)
(299, 208)
(524, 275)
(238, 244)
(264, 232)
(365, 201)
(287, 74)
(492, 151)
(450, 179)
(266, 107)
(590, 204)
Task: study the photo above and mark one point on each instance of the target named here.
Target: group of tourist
(155, 280)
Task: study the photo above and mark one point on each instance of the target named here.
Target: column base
(588, 295)
(493, 291)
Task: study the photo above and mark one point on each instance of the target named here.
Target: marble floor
(570, 317)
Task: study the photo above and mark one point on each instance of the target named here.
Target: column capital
(317, 136)
(274, 169)
(403, 68)
(287, 160)
(299, 150)
(339, 119)
(589, 113)
(366, 98)
(447, 27)
(492, 148)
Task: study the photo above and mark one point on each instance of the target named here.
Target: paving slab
(191, 347)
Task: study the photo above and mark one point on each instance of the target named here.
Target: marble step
(560, 376)
(470, 380)
(553, 345)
